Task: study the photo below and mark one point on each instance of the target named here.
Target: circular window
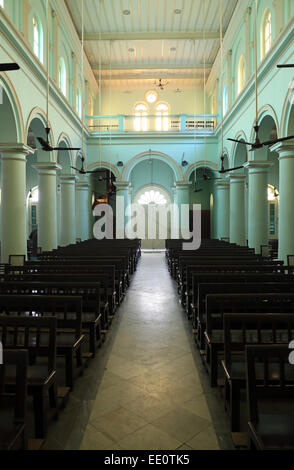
(151, 96)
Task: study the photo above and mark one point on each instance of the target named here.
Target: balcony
(172, 123)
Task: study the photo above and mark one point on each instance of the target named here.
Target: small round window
(151, 96)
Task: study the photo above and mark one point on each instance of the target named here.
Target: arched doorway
(153, 198)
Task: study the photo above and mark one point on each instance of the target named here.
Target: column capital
(255, 166)
(237, 178)
(15, 149)
(48, 168)
(223, 184)
(82, 185)
(281, 147)
(67, 179)
(122, 184)
(183, 184)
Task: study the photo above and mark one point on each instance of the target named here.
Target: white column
(121, 205)
(237, 209)
(223, 209)
(47, 206)
(82, 210)
(183, 198)
(286, 190)
(257, 204)
(13, 200)
(67, 210)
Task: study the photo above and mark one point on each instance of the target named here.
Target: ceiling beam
(152, 35)
(148, 76)
(155, 67)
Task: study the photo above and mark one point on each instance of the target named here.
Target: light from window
(268, 33)
(2, 3)
(152, 197)
(79, 103)
(151, 96)
(37, 39)
(62, 76)
(162, 119)
(140, 121)
(225, 100)
(241, 74)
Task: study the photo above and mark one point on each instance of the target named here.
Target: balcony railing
(172, 123)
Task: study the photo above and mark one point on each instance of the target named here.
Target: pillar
(183, 198)
(223, 209)
(237, 209)
(82, 210)
(286, 190)
(67, 210)
(122, 200)
(47, 205)
(257, 204)
(13, 199)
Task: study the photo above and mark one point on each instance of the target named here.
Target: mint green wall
(157, 173)
(120, 102)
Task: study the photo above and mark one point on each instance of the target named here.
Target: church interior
(118, 335)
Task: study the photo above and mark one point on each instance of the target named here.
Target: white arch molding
(238, 136)
(201, 164)
(108, 166)
(9, 89)
(163, 157)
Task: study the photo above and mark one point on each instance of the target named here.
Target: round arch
(288, 109)
(40, 114)
(108, 166)
(266, 110)
(15, 107)
(178, 174)
(234, 155)
(201, 164)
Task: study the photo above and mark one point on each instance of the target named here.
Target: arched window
(140, 121)
(79, 103)
(62, 75)
(37, 39)
(225, 100)
(162, 110)
(241, 74)
(266, 34)
(152, 197)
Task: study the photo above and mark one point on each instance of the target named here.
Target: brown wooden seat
(270, 401)
(38, 336)
(68, 312)
(241, 330)
(13, 408)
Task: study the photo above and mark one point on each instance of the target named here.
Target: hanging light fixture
(31, 141)
(160, 83)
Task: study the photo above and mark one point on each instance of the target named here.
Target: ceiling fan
(82, 170)
(161, 83)
(9, 67)
(257, 144)
(222, 170)
(285, 66)
(48, 148)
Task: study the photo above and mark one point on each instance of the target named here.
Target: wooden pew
(270, 401)
(219, 304)
(13, 408)
(241, 330)
(38, 336)
(89, 291)
(233, 288)
(106, 281)
(67, 310)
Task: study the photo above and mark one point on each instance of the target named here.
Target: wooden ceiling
(173, 39)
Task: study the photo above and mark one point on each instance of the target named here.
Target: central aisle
(153, 394)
